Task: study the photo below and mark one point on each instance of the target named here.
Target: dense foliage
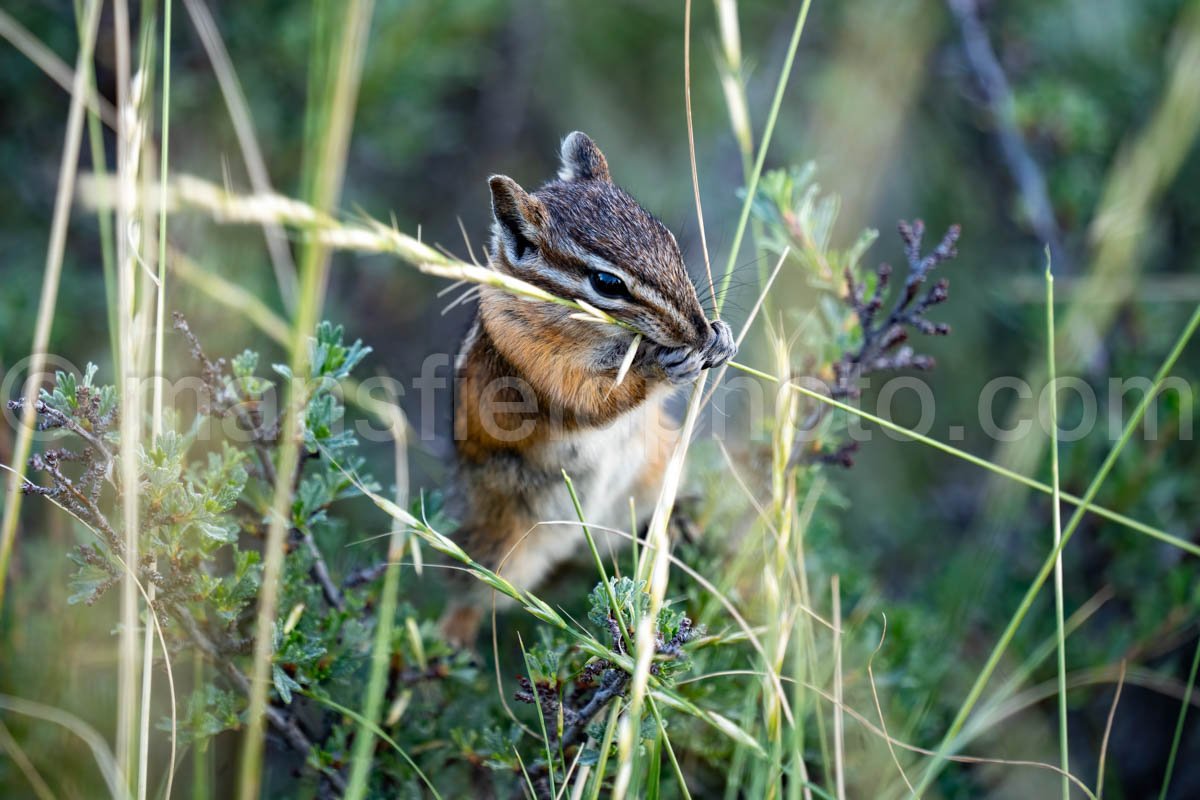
(924, 555)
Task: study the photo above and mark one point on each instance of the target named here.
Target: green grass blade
(381, 647)
(653, 789)
(380, 652)
(381, 733)
(101, 753)
(130, 422)
(1183, 709)
(156, 416)
(541, 715)
(330, 162)
(1056, 513)
(752, 186)
(610, 729)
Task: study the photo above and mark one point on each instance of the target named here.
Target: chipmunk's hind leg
(460, 622)
(465, 595)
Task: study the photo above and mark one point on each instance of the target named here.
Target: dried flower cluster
(882, 346)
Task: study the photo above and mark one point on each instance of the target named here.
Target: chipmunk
(536, 390)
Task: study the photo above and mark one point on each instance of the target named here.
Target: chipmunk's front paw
(720, 347)
(683, 364)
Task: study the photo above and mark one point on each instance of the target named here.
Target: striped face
(584, 238)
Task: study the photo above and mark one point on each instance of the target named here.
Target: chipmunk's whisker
(466, 296)
(450, 288)
(467, 242)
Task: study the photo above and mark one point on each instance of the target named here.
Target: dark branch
(998, 98)
(320, 570)
(283, 722)
(223, 401)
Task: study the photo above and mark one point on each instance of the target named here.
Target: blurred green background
(888, 103)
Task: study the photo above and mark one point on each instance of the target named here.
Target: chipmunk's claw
(681, 364)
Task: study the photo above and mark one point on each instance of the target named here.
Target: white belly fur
(606, 466)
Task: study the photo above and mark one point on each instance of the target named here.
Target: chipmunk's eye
(608, 285)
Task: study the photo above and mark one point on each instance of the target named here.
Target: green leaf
(284, 685)
(225, 532)
(87, 584)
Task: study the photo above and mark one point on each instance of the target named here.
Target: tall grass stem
(1178, 737)
(381, 647)
(1056, 516)
(752, 185)
(336, 115)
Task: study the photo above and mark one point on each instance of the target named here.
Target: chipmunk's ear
(582, 160)
(520, 218)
